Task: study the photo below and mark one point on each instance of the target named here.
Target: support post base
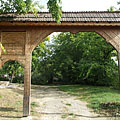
(26, 106)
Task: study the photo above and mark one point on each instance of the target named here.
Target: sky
(86, 5)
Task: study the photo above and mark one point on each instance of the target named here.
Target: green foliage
(18, 6)
(34, 104)
(113, 108)
(25, 6)
(55, 9)
(18, 79)
(2, 48)
(112, 9)
(83, 58)
(118, 3)
(13, 70)
(38, 79)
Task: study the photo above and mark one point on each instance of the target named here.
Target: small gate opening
(13, 72)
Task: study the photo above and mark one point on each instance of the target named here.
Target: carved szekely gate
(20, 34)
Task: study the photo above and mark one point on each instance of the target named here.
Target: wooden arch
(20, 34)
(111, 36)
(17, 60)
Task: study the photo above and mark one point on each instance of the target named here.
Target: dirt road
(54, 104)
(48, 103)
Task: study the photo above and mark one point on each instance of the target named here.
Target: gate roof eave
(89, 18)
(63, 24)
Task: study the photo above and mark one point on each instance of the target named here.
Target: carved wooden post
(0, 57)
(0, 63)
(119, 66)
(0, 52)
(27, 86)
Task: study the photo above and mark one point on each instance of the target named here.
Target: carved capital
(112, 36)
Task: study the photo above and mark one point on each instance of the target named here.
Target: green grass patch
(67, 115)
(34, 104)
(64, 116)
(19, 103)
(71, 114)
(94, 95)
(68, 104)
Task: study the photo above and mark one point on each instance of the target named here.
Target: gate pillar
(119, 67)
(27, 86)
(27, 75)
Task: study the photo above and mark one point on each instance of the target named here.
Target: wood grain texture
(14, 42)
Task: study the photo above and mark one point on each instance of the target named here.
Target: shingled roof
(66, 17)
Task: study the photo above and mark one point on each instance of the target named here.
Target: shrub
(111, 108)
(18, 79)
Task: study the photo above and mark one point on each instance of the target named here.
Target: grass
(68, 115)
(68, 104)
(94, 95)
(34, 104)
(11, 104)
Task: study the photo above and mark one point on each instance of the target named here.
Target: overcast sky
(86, 5)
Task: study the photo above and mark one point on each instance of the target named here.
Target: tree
(25, 6)
(12, 69)
(80, 58)
(41, 63)
(112, 8)
(118, 3)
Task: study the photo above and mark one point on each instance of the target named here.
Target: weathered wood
(14, 24)
(27, 76)
(0, 52)
(37, 36)
(27, 86)
(14, 42)
(119, 67)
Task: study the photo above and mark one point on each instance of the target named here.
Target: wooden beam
(32, 23)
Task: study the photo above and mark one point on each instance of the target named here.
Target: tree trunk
(13, 74)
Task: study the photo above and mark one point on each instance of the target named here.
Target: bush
(111, 108)
(38, 79)
(4, 78)
(18, 79)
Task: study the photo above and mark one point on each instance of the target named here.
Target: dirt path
(57, 105)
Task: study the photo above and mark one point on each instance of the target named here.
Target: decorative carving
(14, 42)
(22, 62)
(112, 36)
(37, 36)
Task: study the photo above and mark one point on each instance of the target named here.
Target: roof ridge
(81, 16)
(66, 12)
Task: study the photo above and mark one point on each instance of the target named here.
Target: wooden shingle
(66, 17)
